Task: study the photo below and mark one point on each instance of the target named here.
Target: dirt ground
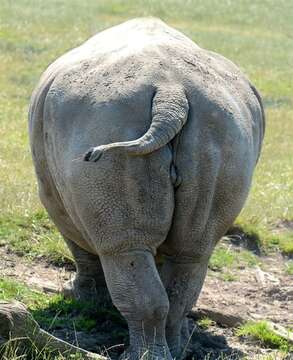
(264, 293)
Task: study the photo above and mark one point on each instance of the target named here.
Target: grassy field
(255, 35)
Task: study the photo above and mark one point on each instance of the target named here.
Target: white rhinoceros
(144, 144)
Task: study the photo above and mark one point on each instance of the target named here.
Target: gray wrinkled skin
(144, 143)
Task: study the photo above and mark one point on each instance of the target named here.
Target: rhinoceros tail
(169, 114)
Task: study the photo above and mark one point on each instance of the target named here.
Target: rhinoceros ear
(169, 114)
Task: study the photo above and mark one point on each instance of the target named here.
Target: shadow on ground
(104, 331)
(249, 241)
(208, 346)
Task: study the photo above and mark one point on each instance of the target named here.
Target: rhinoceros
(144, 144)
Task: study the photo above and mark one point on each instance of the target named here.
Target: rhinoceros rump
(144, 144)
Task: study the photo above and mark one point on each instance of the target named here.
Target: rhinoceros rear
(144, 143)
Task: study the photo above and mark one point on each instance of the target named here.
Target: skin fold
(143, 144)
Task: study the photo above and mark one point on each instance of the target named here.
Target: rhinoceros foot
(152, 352)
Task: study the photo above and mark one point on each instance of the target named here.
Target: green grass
(256, 35)
(11, 290)
(53, 312)
(221, 258)
(261, 332)
(14, 351)
(34, 236)
(267, 238)
(227, 260)
(228, 276)
(275, 356)
(289, 267)
(283, 242)
(205, 323)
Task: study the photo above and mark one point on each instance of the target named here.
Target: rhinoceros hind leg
(89, 282)
(138, 293)
(183, 281)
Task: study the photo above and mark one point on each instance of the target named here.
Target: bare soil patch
(258, 293)
(264, 293)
